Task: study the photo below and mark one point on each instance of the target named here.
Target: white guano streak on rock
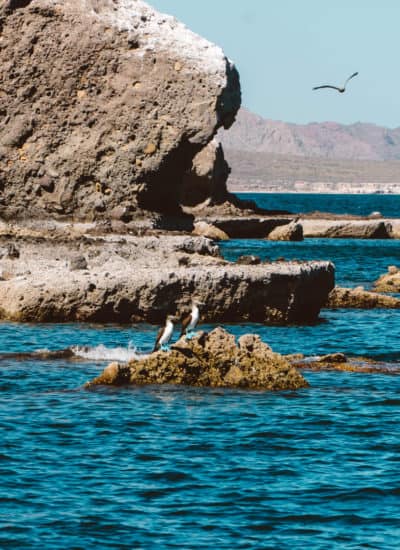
(161, 31)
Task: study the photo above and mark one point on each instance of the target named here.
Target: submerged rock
(210, 359)
(339, 362)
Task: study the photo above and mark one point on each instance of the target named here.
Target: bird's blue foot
(165, 347)
(190, 334)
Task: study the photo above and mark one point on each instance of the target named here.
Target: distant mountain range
(327, 140)
(274, 156)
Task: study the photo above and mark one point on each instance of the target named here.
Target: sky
(282, 48)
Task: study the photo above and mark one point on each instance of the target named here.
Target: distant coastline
(313, 188)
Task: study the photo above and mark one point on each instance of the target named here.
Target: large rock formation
(212, 359)
(104, 105)
(65, 276)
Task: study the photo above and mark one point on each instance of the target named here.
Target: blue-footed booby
(341, 90)
(164, 334)
(189, 322)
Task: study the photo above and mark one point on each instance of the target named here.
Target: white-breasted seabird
(341, 90)
(189, 322)
(165, 334)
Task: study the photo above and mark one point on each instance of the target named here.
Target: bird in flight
(341, 90)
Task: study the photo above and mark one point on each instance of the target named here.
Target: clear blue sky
(283, 48)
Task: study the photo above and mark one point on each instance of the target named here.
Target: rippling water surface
(358, 205)
(170, 467)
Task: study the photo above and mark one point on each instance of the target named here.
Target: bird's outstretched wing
(326, 86)
(350, 77)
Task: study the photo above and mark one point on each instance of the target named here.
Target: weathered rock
(210, 359)
(394, 229)
(389, 282)
(248, 259)
(292, 231)
(79, 262)
(360, 298)
(246, 226)
(9, 251)
(346, 229)
(205, 183)
(104, 105)
(207, 230)
(144, 278)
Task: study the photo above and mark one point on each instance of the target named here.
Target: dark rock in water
(210, 359)
(248, 260)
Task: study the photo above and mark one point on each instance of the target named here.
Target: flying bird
(189, 323)
(341, 90)
(165, 334)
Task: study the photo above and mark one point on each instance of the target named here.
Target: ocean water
(357, 261)
(359, 205)
(175, 467)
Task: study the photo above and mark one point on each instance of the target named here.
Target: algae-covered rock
(390, 281)
(210, 359)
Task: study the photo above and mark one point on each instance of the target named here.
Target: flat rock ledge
(347, 229)
(212, 360)
(248, 225)
(123, 279)
(359, 298)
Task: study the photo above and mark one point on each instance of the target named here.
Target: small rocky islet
(113, 192)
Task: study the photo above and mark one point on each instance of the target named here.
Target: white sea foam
(102, 353)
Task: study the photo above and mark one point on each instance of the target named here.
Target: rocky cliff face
(104, 105)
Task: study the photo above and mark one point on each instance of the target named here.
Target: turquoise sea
(172, 467)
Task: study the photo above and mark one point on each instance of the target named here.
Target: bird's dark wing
(327, 86)
(350, 77)
(158, 338)
(185, 322)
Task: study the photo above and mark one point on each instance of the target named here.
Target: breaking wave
(95, 353)
(103, 353)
